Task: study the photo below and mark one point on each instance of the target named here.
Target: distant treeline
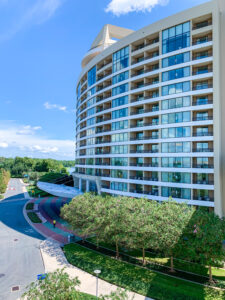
(4, 179)
(19, 166)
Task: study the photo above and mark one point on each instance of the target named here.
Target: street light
(97, 272)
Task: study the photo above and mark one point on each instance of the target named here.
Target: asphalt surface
(20, 257)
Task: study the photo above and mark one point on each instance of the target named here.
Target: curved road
(20, 257)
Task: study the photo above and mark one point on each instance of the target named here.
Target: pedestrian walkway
(49, 208)
(54, 258)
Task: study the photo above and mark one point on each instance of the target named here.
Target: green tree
(140, 221)
(203, 239)
(171, 219)
(56, 286)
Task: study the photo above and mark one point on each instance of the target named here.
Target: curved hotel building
(150, 111)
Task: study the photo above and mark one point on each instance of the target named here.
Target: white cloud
(3, 145)
(121, 7)
(25, 140)
(34, 12)
(48, 105)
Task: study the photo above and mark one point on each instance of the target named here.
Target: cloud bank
(25, 140)
(122, 7)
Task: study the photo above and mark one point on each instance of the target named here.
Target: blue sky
(42, 43)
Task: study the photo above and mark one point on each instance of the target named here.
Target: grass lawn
(178, 263)
(137, 279)
(34, 217)
(86, 297)
(30, 206)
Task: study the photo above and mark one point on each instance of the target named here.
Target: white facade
(150, 110)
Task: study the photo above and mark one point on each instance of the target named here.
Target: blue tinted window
(176, 59)
(176, 88)
(120, 77)
(92, 76)
(121, 59)
(176, 37)
(120, 113)
(120, 89)
(119, 101)
(78, 91)
(175, 74)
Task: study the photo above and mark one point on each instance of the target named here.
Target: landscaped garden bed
(30, 206)
(138, 279)
(34, 217)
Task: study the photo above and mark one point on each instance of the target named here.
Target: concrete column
(87, 186)
(80, 184)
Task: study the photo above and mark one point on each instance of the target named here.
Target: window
(119, 149)
(91, 101)
(90, 121)
(90, 151)
(92, 76)
(91, 141)
(91, 111)
(175, 74)
(89, 161)
(177, 147)
(176, 177)
(176, 162)
(176, 132)
(176, 192)
(120, 137)
(176, 59)
(91, 131)
(119, 161)
(176, 88)
(120, 125)
(176, 37)
(179, 117)
(119, 186)
(79, 91)
(119, 101)
(176, 103)
(120, 77)
(121, 59)
(91, 92)
(120, 113)
(120, 89)
(119, 174)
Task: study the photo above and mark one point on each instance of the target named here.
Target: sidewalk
(54, 258)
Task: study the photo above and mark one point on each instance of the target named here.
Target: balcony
(103, 142)
(144, 178)
(202, 24)
(202, 150)
(203, 198)
(208, 182)
(202, 55)
(203, 71)
(144, 124)
(144, 151)
(145, 84)
(202, 166)
(144, 111)
(153, 165)
(202, 86)
(140, 138)
(202, 40)
(143, 45)
(202, 102)
(202, 118)
(102, 152)
(202, 134)
(151, 193)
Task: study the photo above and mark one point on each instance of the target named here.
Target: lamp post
(97, 272)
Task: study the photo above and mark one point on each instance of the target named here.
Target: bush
(34, 217)
(30, 206)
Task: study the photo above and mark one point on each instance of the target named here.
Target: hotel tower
(150, 110)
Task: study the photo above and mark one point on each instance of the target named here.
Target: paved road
(20, 257)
